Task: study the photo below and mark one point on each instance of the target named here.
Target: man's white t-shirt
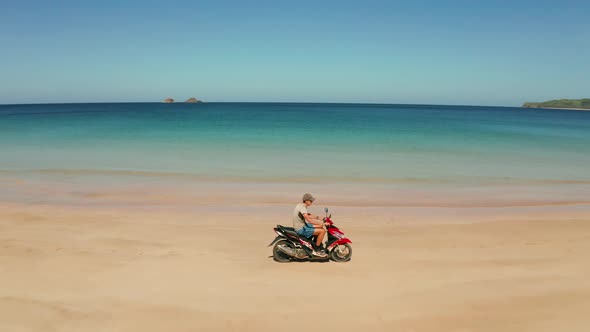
(298, 223)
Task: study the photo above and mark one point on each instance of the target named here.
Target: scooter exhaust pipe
(289, 251)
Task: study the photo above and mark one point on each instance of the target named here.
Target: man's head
(308, 199)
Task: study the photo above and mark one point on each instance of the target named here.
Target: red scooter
(291, 246)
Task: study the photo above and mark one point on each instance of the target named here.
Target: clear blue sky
(431, 52)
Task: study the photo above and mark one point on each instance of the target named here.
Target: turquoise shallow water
(297, 142)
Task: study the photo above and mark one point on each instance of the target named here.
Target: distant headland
(191, 100)
(580, 104)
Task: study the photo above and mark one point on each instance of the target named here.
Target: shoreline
(184, 192)
(50, 174)
(399, 203)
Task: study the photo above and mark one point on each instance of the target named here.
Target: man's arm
(314, 220)
(315, 217)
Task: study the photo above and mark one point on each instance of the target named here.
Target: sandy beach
(155, 263)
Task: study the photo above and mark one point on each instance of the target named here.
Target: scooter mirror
(326, 209)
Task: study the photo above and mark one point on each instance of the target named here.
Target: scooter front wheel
(341, 253)
(280, 256)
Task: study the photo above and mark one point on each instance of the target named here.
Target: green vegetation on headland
(561, 103)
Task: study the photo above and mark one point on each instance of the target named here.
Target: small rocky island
(581, 104)
(193, 100)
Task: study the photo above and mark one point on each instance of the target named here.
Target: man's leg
(319, 233)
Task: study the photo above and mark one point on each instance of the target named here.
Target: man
(310, 225)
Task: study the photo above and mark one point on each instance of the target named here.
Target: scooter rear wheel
(341, 253)
(280, 256)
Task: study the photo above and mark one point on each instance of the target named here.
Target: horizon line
(250, 102)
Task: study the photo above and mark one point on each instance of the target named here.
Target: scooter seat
(286, 228)
(292, 232)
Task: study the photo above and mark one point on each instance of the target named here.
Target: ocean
(297, 142)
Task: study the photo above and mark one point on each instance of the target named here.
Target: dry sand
(89, 267)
